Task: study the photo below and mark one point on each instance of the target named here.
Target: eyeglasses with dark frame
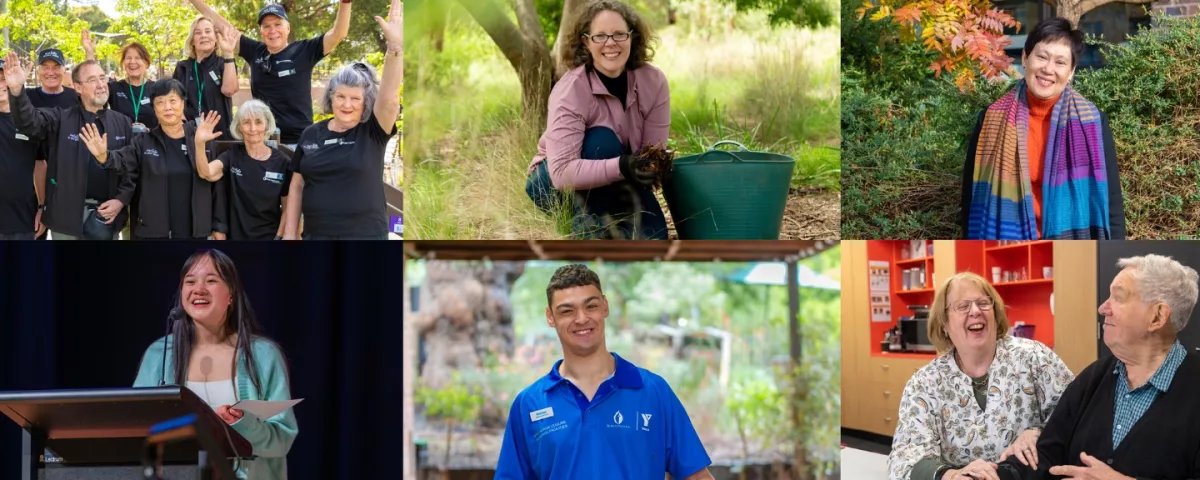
(964, 306)
(602, 38)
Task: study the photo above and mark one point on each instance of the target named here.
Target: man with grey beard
(83, 200)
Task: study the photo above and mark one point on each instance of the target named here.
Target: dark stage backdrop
(81, 314)
(1108, 252)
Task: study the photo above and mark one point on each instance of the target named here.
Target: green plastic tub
(729, 195)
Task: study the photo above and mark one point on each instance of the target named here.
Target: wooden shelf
(1017, 245)
(911, 355)
(1036, 281)
(912, 261)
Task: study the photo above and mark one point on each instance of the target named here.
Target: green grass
(773, 91)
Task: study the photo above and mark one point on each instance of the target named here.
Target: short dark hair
(575, 52)
(78, 68)
(569, 276)
(166, 87)
(1053, 30)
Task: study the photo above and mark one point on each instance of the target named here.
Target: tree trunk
(4, 10)
(439, 11)
(465, 314)
(1074, 10)
(524, 47)
(569, 11)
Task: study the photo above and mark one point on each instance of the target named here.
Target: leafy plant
(453, 403)
(757, 409)
(967, 36)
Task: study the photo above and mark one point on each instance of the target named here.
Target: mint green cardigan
(272, 437)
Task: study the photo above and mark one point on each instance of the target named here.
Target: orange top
(1039, 130)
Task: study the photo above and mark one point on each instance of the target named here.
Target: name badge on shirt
(146, 101)
(285, 73)
(332, 141)
(22, 137)
(213, 75)
(541, 414)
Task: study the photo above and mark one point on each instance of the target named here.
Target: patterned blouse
(940, 418)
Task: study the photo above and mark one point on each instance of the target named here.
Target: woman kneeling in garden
(1042, 162)
(610, 104)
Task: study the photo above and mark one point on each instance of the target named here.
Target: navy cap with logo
(273, 9)
(52, 54)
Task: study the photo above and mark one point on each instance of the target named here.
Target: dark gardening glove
(632, 169)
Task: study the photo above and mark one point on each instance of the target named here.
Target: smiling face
(1048, 68)
(974, 330)
(93, 85)
(274, 32)
(611, 56)
(204, 39)
(169, 109)
(348, 105)
(50, 74)
(205, 295)
(253, 130)
(133, 63)
(578, 314)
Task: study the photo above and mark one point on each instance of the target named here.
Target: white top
(214, 394)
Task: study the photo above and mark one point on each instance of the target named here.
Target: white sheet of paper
(263, 409)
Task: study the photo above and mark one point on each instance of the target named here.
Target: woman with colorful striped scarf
(1041, 163)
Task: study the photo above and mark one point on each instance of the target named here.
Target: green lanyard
(199, 89)
(137, 102)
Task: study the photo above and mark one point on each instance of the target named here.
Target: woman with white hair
(1135, 413)
(258, 176)
(338, 165)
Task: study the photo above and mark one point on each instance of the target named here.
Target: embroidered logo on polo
(312, 147)
(550, 428)
(236, 171)
(121, 95)
(119, 138)
(150, 151)
(618, 421)
(74, 137)
(646, 422)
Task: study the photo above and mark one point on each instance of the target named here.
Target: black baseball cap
(52, 54)
(272, 9)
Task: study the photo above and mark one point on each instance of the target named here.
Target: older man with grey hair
(1135, 414)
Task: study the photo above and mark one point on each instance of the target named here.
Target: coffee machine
(914, 330)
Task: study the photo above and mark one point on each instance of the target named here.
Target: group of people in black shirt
(171, 160)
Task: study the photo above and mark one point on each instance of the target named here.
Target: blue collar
(1165, 373)
(626, 375)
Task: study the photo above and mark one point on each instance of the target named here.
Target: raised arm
(211, 171)
(387, 106)
(33, 122)
(219, 22)
(122, 161)
(341, 28)
(89, 49)
(229, 39)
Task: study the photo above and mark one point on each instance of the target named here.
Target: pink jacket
(579, 101)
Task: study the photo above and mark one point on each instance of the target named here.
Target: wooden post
(409, 461)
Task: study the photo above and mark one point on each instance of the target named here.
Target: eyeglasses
(603, 37)
(964, 306)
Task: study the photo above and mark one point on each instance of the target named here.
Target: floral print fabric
(940, 418)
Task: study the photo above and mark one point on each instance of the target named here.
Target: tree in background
(520, 29)
(967, 35)
(31, 25)
(160, 25)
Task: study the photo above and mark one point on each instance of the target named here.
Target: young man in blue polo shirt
(595, 415)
